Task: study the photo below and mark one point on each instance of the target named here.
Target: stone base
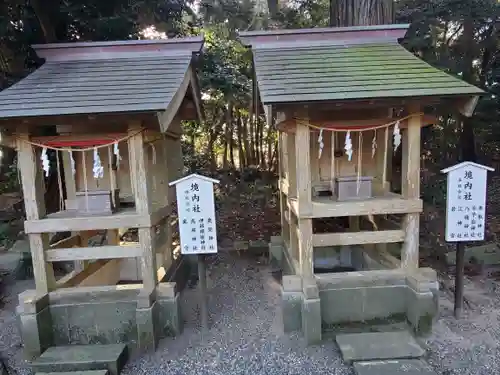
(330, 302)
(82, 358)
(375, 346)
(35, 324)
(100, 315)
(394, 367)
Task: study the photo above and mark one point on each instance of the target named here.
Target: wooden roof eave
(465, 104)
(196, 91)
(167, 117)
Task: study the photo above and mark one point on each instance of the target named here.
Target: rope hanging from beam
(89, 145)
(306, 122)
(348, 146)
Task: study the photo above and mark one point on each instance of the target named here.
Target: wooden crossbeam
(90, 253)
(358, 238)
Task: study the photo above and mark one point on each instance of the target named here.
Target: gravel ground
(10, 341)
(246, 335)
(470, 345)
(246, 331)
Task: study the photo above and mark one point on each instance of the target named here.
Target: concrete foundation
(333, 301)
(99, 315)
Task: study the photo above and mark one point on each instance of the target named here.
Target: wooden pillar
(305, 247)
(32, 180)
(69, 179)
(70, 185)
(304, 197)
(292, 175)
(294, 242)
(142, 195)
(303, 169)
(411, 188)
(280, 180)
(382, 153)
(140, 181)
(148, 259)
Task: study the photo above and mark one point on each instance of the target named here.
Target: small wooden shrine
(346, 101)
(115, 112)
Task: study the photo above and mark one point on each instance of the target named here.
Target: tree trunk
(263, 160)
(213, 134)
(231, 143)
(247, 138)
(467, 139)
(225, 145)
(246, 142)
(251, 140)
(43, 14)
(241, 151)
(193, 141)
(361, 12)
(273, 159)
(227, 127)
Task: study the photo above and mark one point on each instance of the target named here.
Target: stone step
(91, 372)
(394, 367)
(82, 358)
(388, 325)
(378, 346)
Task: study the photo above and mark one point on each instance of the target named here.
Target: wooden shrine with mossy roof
(349, 103)
(114, 110)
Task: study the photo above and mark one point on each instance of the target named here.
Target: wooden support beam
(66, 280)
(376, 206)
(292, 168)
(303, 169)
(102, 272)
(69, 178)
(305, 236)
(68, 221)
(60, 222)
(32, 180)
(411, 189)
(148, 259)
(410, 184)
(381, 184)
(91, 253)
(358, 238)
(294, 241)
(71, 241)
(84, 236)
(43, 272)
(283, 214)
(138, 173)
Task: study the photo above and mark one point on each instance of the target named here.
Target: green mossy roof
(340, 72)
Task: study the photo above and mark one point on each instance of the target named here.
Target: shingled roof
(346, 63)
(103, 77)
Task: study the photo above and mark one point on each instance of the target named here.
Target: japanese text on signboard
(465, 219)
(197, 217)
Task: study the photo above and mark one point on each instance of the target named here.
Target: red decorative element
(349, 128)
(82, 143)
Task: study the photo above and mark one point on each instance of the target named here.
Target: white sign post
(196, 211)
(465, 214)
(197, 229)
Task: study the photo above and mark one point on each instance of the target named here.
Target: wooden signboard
(196, 210)
(465, 214)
